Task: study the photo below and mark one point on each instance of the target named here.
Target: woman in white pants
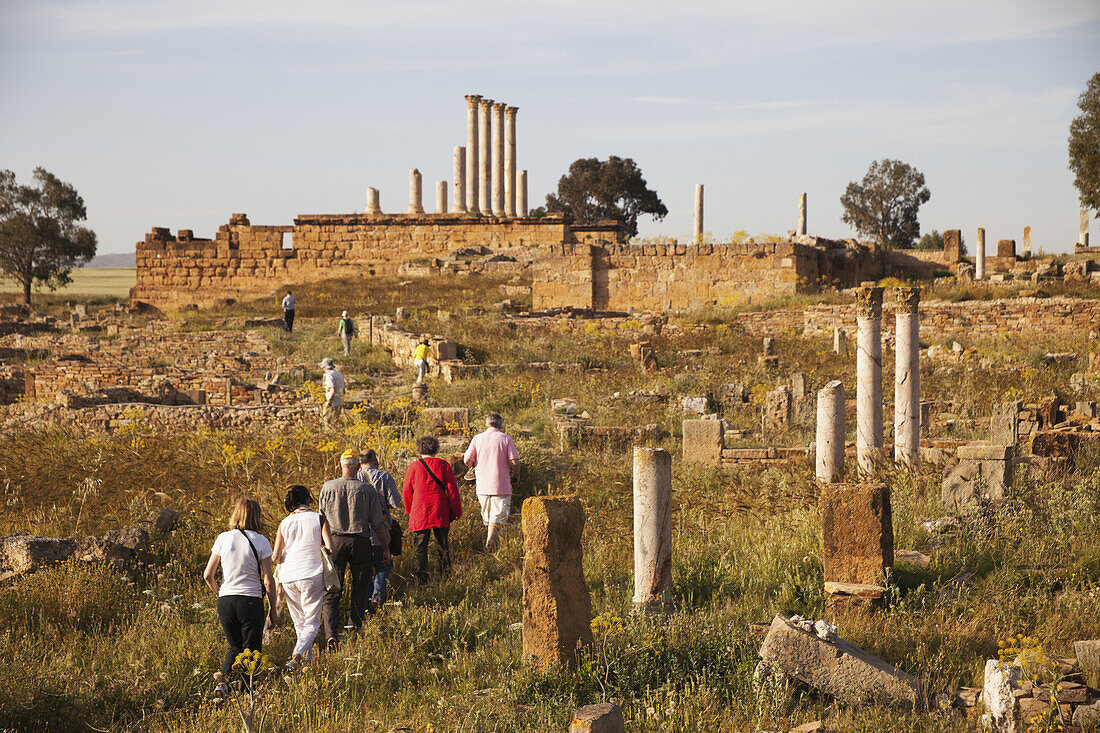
(298, 552)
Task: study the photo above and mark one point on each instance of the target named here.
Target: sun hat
(344, 314)
(327, 363)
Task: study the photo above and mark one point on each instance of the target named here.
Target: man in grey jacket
(353, 510)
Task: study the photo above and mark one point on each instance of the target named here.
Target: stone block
(132, 538)
(703, 441)
(800, 385)
(982, 475)
(557, 609)
(777, 409)
(100, 550)
(441, 417)
(164, 520)
(837, 668)
(1001, 679)
(24, 553)
(1088, 659)
(857, 533)
(695, 405)
(1006, 248)
(1055, 445)
(604, 717)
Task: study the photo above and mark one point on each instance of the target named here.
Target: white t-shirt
(240, 573)
(334, 387)
(301, 532)
(288, 302)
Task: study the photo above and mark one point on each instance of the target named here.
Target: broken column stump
(837, 668)
(557, 610)
(858, 544)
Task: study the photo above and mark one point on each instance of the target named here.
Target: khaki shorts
(495, 509)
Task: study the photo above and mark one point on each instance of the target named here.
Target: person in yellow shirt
(420, 360)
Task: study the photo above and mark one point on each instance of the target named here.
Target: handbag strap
(259, 569)
(439, 483)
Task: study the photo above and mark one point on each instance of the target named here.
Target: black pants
(354, 551)
(422, 537)
(288, 319)
(242, 620)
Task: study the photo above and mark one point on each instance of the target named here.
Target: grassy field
(85, 648)
(97, 284)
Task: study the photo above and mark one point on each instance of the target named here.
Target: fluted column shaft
(907, 377)
(498, 158)
(1083, 229)
(510, 160)
(868, 378)
(460, 180)
(472, 178)
(829, 458)
(484, 156)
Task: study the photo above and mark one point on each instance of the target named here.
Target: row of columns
(416, 191)
(830, 436)
(493, 184)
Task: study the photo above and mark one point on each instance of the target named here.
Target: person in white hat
(334, 391)
(346, 331)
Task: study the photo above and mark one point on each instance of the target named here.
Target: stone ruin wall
(248, 261)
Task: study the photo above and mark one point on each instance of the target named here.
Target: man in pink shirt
(496, 463)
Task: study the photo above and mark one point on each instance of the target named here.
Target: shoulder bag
(333, 582)
(442, 487)
(395, 527)
(259, 567)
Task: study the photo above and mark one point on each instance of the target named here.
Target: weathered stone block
(857, 533)
(99, 550)
(982, 475)
(24, 553)
(604, 717)
(777, 409)
(557, 609)
(132, 538)
(1088, 659)
(164, 520)
(441, 417)
(703, 441)
(838, 668)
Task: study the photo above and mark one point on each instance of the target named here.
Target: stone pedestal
(473, 178)
(557, 610)
(829, 461)
(868, 378)
(416, 201)
(373, 206)
(510, 160)
(907, 377)
(703, 441)
(1025, 246)
(952, 245)
(979, 256)
(801, 215)
(521, 202)
(857, 533)
(1006, 249)
(498, 159)
(652, 530)
(697, 233)
(485, 156)
(777, 409)
(441, 197)
(459, 175)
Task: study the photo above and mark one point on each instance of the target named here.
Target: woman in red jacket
(432, 502)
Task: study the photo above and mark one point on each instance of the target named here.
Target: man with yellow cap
(352, 509)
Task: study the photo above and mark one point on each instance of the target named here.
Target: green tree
(595, 189)
(40, 240)
(1084, 145)
(883, 206)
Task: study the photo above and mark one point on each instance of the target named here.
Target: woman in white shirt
(301, 574)
(244, 556)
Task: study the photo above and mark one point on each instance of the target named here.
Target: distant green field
(97, 283)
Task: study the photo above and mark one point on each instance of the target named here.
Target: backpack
(347, 326)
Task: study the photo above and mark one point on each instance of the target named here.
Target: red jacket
(428, 505)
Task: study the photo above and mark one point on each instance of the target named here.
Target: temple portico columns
(460, 180)
(472, 178)
(498, 159)
(484, 156)
(907, 377)
(868, 378)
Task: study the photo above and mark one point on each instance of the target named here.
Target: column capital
(869, 302)
(485, 102)
(472, 100)
(511, 111)
(498, 106)
(906, 300)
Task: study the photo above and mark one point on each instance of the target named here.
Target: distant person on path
(432, 502)
(297, 551)
(352, 510)
(495, 460)
(346, 331)
(334, 392)
(420, 360)
(390, 498)
(244, 556)
(288, 312)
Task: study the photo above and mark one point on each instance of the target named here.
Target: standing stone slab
(838, 668)
(1001, 679)
(557, 610)
(1006, 248)
(857, 533)
(652, 530)
(777, 409)
(952, 245)
(1025, 247)
(1088, 659)
(703, 441)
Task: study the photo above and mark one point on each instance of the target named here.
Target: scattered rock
(604, 717)
(1001, 679)
(99, 550)
(1088, 659)
(24, 553)
(132, 538)
(165, 519)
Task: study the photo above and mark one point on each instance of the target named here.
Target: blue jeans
(381, 576)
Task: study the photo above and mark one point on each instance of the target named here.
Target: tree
(40, 240)
(1084, 145)
(613, 189)
(934, 241)
(883, 206)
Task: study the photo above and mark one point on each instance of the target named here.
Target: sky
(179, 114)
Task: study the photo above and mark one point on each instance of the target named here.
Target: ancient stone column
(979, 256)
(498, 159)
(907, 377)
(652, 530)
(441, 197)
(460, 179)
(484, 155)
(829, 461)
(557, 610)
(521, 204)
(802, 215)
(868, 378)
(698, 234)
(510, 160)
(1025, 246)
(1083, 230)
(840, 341)
(472, 178)
(373, 207)
(416, 200)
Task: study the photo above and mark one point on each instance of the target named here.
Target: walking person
(495, 460)
(390, 498)
(297, 552)
(420, 360)
(288, 312)
(244, 556)
(334, 392)
(345, 329)
(432, 502)
(352, 510)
